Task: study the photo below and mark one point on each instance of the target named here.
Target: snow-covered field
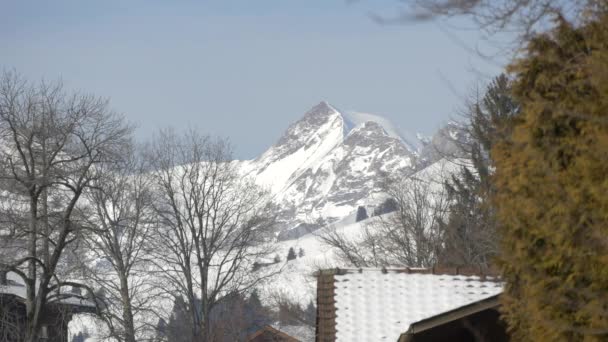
(296, 279)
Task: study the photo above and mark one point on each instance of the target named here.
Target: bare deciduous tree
(213, 224)
(120, 220)
(525, 17)
(358, 251)
(410, 236)
(52, 143)
(10, 329)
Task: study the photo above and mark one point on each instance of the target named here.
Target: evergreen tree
(230, 319)
(361, 214)
(277, 259)
(311, 313)
(254, 299)
(291, 254)
(180, 325)
(257, 313)
(552, 186)
(301, 252)
(471, 237)
(161, 329)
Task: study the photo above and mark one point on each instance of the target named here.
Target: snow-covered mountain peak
(301, 147)
(317, 121)
(328, 163)
(354, 119)
(323, 108)
(370, 129)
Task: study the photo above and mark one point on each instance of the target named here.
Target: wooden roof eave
(449, 316)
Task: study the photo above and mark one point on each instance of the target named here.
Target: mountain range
(328, 163)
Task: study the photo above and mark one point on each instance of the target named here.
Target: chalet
(270, 334)
(55, 319)
(408, 305)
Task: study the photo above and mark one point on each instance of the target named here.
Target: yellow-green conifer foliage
(552, 188)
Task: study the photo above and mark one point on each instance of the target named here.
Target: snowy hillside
(296, 277)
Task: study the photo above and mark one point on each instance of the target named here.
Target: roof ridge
(437, 270)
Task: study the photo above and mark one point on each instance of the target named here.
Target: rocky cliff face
(324, 167)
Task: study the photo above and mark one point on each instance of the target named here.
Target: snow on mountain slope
(412, 141)
(303, 144)
(350, 175)
(296, 280)
(327, 164)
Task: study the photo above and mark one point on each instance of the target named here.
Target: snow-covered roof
(16, 287)
(379, 305)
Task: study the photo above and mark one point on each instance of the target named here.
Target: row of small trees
(145, 225)
(291, 254)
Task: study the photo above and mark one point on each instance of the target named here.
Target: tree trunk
(30, 298)
(46, 229)
(127, 311)
(203, 269)
(205, 326)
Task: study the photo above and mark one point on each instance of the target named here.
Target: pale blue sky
(244, 69)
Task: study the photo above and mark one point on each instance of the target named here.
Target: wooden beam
(450, 316)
